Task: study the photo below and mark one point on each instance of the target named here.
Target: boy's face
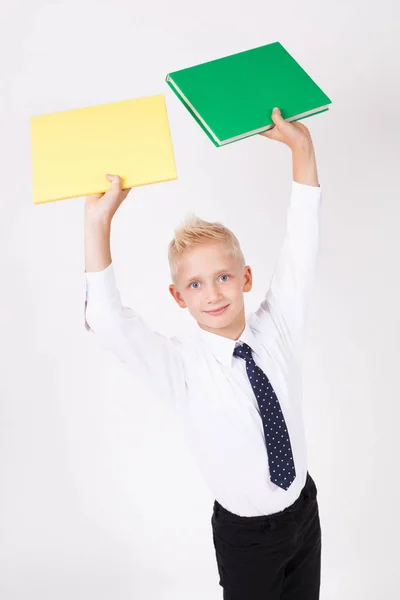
(207, 280)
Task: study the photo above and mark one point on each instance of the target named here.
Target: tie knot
(244, 351)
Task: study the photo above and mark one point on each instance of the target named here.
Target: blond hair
(196, 232)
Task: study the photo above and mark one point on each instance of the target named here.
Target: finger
(270, 133)
(277, 117)
(115, 181)
(266, 134)
(277, 120)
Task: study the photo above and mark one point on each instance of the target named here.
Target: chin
(223, 320)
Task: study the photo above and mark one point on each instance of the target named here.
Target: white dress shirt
(208, 387)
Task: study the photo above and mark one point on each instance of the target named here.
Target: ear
(177, 296)
(247, 279)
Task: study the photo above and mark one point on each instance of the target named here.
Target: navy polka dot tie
(280, 458)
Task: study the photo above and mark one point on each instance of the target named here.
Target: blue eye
(196, 282)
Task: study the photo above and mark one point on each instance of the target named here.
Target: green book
(232, 97)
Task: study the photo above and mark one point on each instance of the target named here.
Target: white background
(99, 497)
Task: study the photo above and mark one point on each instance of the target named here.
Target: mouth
(219, 311)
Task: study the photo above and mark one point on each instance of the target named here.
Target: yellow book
(73, 150)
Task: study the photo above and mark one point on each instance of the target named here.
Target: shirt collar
(222, 347)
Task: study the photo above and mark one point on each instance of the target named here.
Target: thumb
(277, 116)
(277, 120)
(115, 181)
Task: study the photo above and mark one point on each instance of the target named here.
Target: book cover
(73, 150)
(233, 97)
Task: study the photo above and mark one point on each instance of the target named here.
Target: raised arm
(284, 307)
(151, 357)
(298, 138)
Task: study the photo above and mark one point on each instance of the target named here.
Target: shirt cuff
(303, 194)
(101, 285)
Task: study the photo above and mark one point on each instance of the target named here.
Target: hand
(103, 206)
(295, 135)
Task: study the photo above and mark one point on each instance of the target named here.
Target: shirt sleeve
(285, 303)
(151, 357)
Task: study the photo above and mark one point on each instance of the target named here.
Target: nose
(213, 295)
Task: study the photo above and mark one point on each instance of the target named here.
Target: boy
(236, 382)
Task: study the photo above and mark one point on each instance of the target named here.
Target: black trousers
(272, 557)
